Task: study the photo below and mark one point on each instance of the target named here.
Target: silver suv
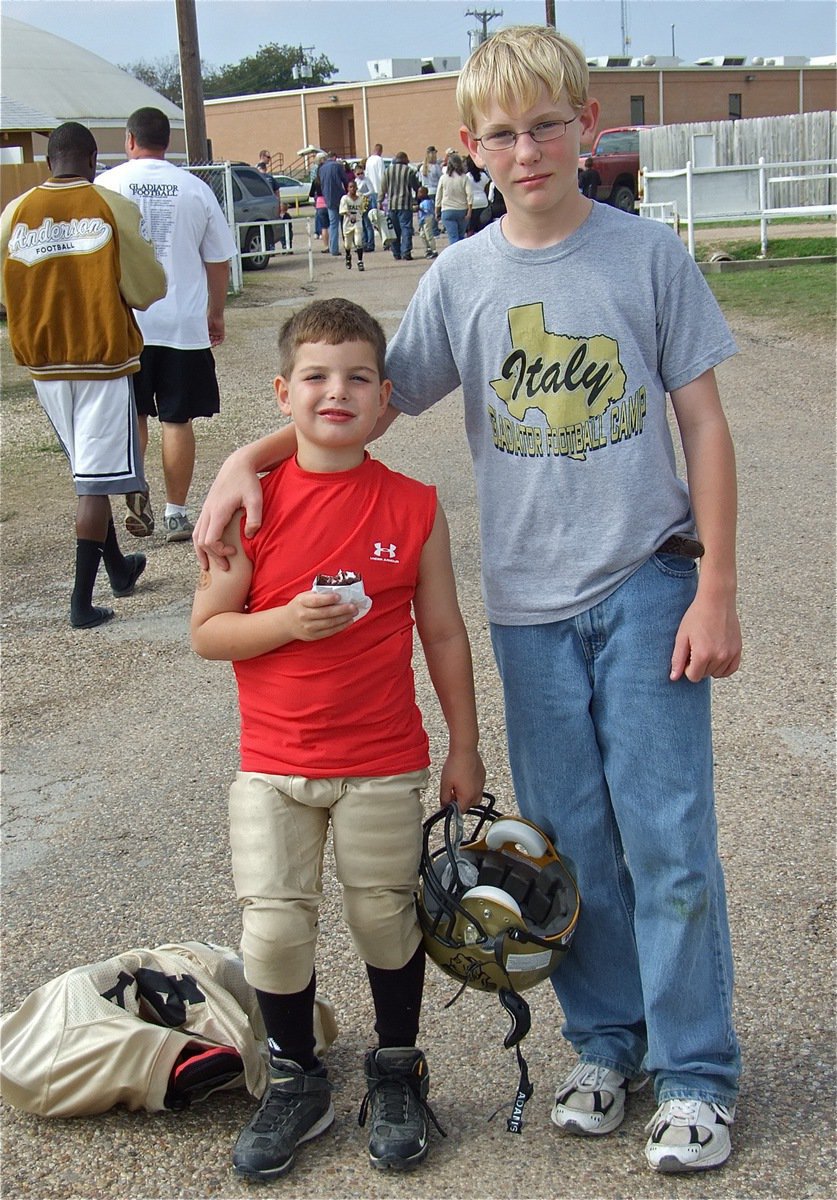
(253, 200)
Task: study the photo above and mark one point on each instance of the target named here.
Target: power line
(484, 17)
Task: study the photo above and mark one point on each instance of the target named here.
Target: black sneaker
(296, 1107)
(397, 1080)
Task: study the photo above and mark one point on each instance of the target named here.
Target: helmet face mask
(498, 910)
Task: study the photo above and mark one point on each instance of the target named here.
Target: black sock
(289, 1022)
(113, 558)
(88, 557)
(397, 998)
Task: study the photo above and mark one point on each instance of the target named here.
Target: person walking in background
(426, 221)
(480, 213)
(365, 189)
(75, 264)
(589, 180)
(375, 171)
(352, 208)
(430, 173)
(176, 382)
(285, 231)
(455, 198)
(332, 180)
(399, 187)
(320, 209)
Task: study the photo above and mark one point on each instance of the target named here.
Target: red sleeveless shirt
(344, 705)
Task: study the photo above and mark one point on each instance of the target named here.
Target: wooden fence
(799, 138)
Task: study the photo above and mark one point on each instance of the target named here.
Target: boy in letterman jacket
(316, 614)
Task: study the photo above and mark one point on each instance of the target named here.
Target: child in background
(352, 208)
(426, 221)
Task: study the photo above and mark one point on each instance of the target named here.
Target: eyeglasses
(544, 131)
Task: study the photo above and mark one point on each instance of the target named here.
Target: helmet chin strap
(518, 1010)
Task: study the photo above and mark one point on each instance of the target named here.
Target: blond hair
(512, 67)
(332, 322)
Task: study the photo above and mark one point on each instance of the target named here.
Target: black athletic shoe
(397, 1080)
(134, 567)
(296, 1107)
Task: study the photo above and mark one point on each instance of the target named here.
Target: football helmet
(498, 910)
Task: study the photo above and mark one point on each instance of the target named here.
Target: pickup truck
(615, 156)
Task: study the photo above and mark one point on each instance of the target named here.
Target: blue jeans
(454, 221)
(402, 227)
(334, 231)
(615, 761)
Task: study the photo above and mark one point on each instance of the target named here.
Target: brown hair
(333, 322)
(150, 128)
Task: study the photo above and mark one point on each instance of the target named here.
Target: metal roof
(49, 74)
(16, 117)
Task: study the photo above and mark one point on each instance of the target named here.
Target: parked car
(291, 190)
(253, 200)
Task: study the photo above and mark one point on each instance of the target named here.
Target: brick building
(412, 113)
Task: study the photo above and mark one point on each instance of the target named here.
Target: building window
(637, 110)
(735, 106)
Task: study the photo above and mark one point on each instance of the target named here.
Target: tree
(162, 74)
(273, 68)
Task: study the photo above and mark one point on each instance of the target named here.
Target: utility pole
(197, 150)
(483, 16)
(301, 70)
(550, 13)
(626, 37)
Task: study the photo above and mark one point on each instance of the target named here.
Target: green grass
(796, 247)
(801, 297)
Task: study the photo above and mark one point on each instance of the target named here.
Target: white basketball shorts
(95, 421)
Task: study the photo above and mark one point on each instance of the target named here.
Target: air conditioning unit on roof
(722, 60)
(609, 60)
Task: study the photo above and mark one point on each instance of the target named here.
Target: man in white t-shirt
(375, 170)
(193, 242)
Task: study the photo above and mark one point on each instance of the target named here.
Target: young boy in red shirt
(330, 730)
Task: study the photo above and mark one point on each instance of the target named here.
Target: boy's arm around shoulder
(223, 629)
(708, 642)
(142, 278)
(447, 652)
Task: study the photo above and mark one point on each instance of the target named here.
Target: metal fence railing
(756, 191)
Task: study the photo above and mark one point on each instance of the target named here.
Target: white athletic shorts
(95, 421)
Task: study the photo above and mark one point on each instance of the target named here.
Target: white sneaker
(178, 528)
(688, 1135)
(591, 1100)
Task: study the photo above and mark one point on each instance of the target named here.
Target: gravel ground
(119, 744)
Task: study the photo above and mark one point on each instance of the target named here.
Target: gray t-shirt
(565, 356)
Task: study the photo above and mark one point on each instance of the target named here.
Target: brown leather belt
(682, 545)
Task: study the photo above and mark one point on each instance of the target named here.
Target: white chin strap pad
(497, 895)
